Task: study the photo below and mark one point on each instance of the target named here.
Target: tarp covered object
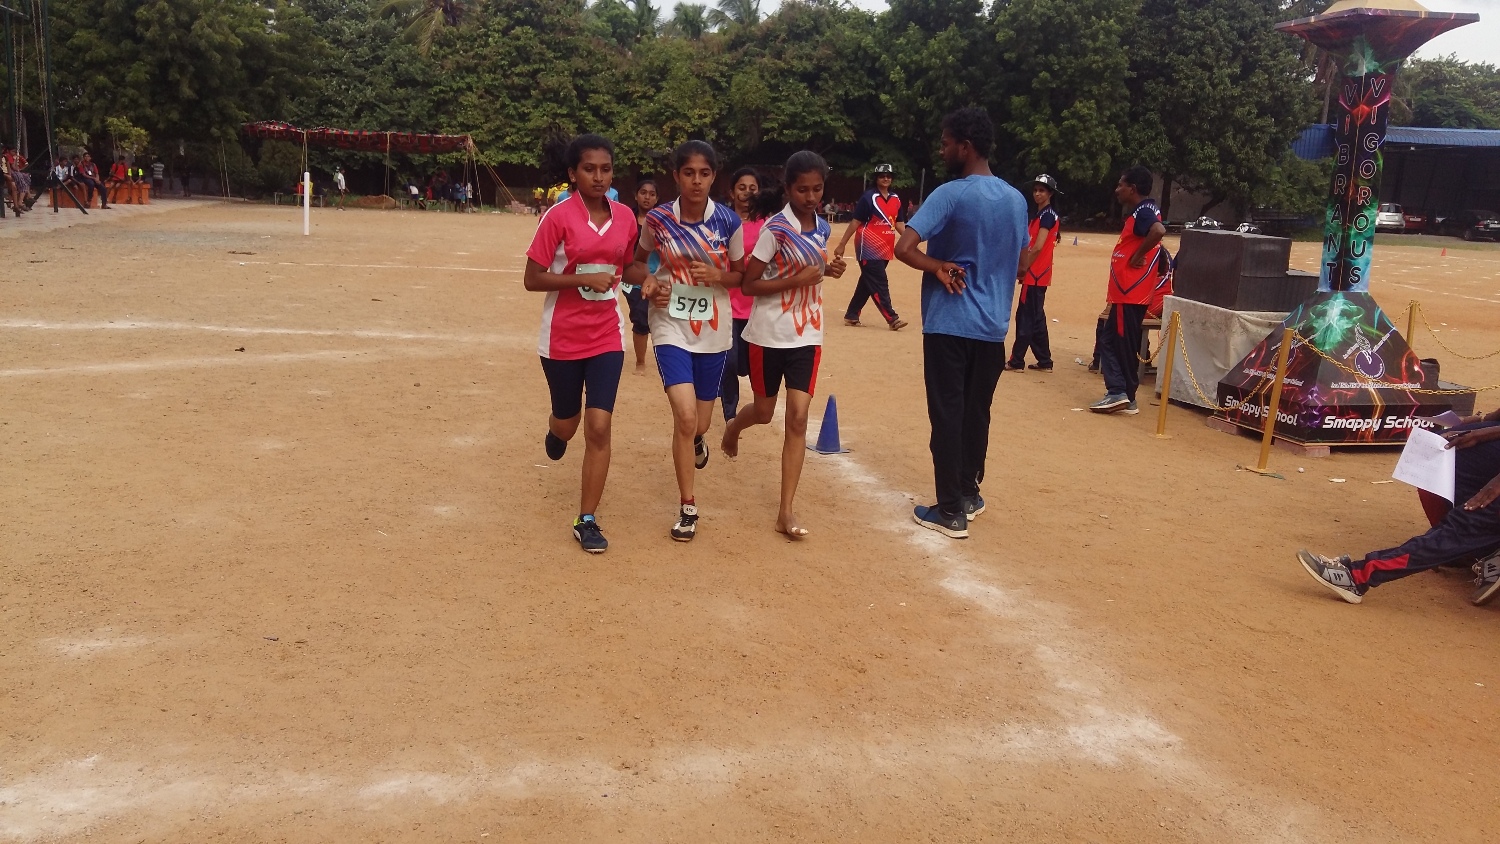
(359, 139)
(1214, 339)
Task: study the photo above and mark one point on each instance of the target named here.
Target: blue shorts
(703, 370)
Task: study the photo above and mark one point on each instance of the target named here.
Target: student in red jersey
(744, 186)
(701, 248)
(1031, 314)
(879, 217)
(581, 248)
(635, 299)
(784, 336)
(1135, 269)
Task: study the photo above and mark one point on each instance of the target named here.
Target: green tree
(1061, 94)
(690, 21)
(729, 13)
(180, 69)
(1446, 93)
(1217, 96)
(423, 19)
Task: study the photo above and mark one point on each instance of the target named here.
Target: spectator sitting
(120, 172)
(16, 164)
(87, 174)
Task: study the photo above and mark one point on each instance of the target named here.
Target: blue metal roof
(1316, 141)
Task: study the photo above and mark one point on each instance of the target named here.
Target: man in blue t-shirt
(975, 229)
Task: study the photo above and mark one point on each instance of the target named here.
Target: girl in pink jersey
(784, 336)
(744, 186)
(702, 250)
(581, 248)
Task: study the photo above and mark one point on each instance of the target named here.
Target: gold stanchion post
(1174, 328)
(1411, 325)
(1275, 405)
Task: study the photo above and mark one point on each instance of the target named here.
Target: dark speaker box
(1242, 272)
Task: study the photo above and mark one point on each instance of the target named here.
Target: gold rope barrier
(1416, 310)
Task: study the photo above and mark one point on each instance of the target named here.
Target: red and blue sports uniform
(875, 249)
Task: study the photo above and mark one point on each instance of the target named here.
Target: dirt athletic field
(283, 561)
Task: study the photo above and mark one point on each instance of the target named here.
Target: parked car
(1416, 221)
(1472, 225)
(1390, 218)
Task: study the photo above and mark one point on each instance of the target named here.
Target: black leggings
(569, 380)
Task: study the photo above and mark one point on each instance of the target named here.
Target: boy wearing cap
(879, 216)
(1031, 316)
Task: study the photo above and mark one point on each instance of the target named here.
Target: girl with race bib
(581, 248)
(635, 300)
(784, 337)
(702, 251)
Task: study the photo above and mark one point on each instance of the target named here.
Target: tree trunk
(1166, 196)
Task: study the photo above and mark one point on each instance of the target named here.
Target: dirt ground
(283, 560)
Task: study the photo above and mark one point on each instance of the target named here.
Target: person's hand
(1485, 496)
(1466, 439)
(838, 251)
(837, 267)
(1137, 261)
(705, 273)
(658, 294)
(952, 276)
(807, 276)
(597, 282)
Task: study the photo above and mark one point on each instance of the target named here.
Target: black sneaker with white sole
(1333, 573)
(687, 523)
(556, 446)
(589, 536)
(973, 506)
(700, 452)
(955, 526)
(1487, 583)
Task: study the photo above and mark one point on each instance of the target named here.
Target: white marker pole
(306, 203)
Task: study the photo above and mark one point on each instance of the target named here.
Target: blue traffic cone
(828, 432)
(1075, 240)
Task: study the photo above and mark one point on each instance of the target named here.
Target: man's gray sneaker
(1110, 403)
(1333, 574)
(1487, 585)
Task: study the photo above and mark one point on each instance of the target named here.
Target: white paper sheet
(1427, 463)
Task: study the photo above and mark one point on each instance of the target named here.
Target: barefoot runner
(702, 255)
(784, 337)
(581, 247)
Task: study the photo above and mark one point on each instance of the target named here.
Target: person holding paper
(577, 256)
(1470, 529)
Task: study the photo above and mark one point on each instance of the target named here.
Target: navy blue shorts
(635, 301)
(569, 381)
(704, 370)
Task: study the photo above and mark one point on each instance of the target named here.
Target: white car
(1390, 217)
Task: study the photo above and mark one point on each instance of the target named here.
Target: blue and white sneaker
(589, 536)
(1110, 403)
(956, 526)
(973, 506)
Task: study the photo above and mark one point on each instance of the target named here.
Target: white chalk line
(251, 330)
(381, 266)
(1099, 721)
(351, 355)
